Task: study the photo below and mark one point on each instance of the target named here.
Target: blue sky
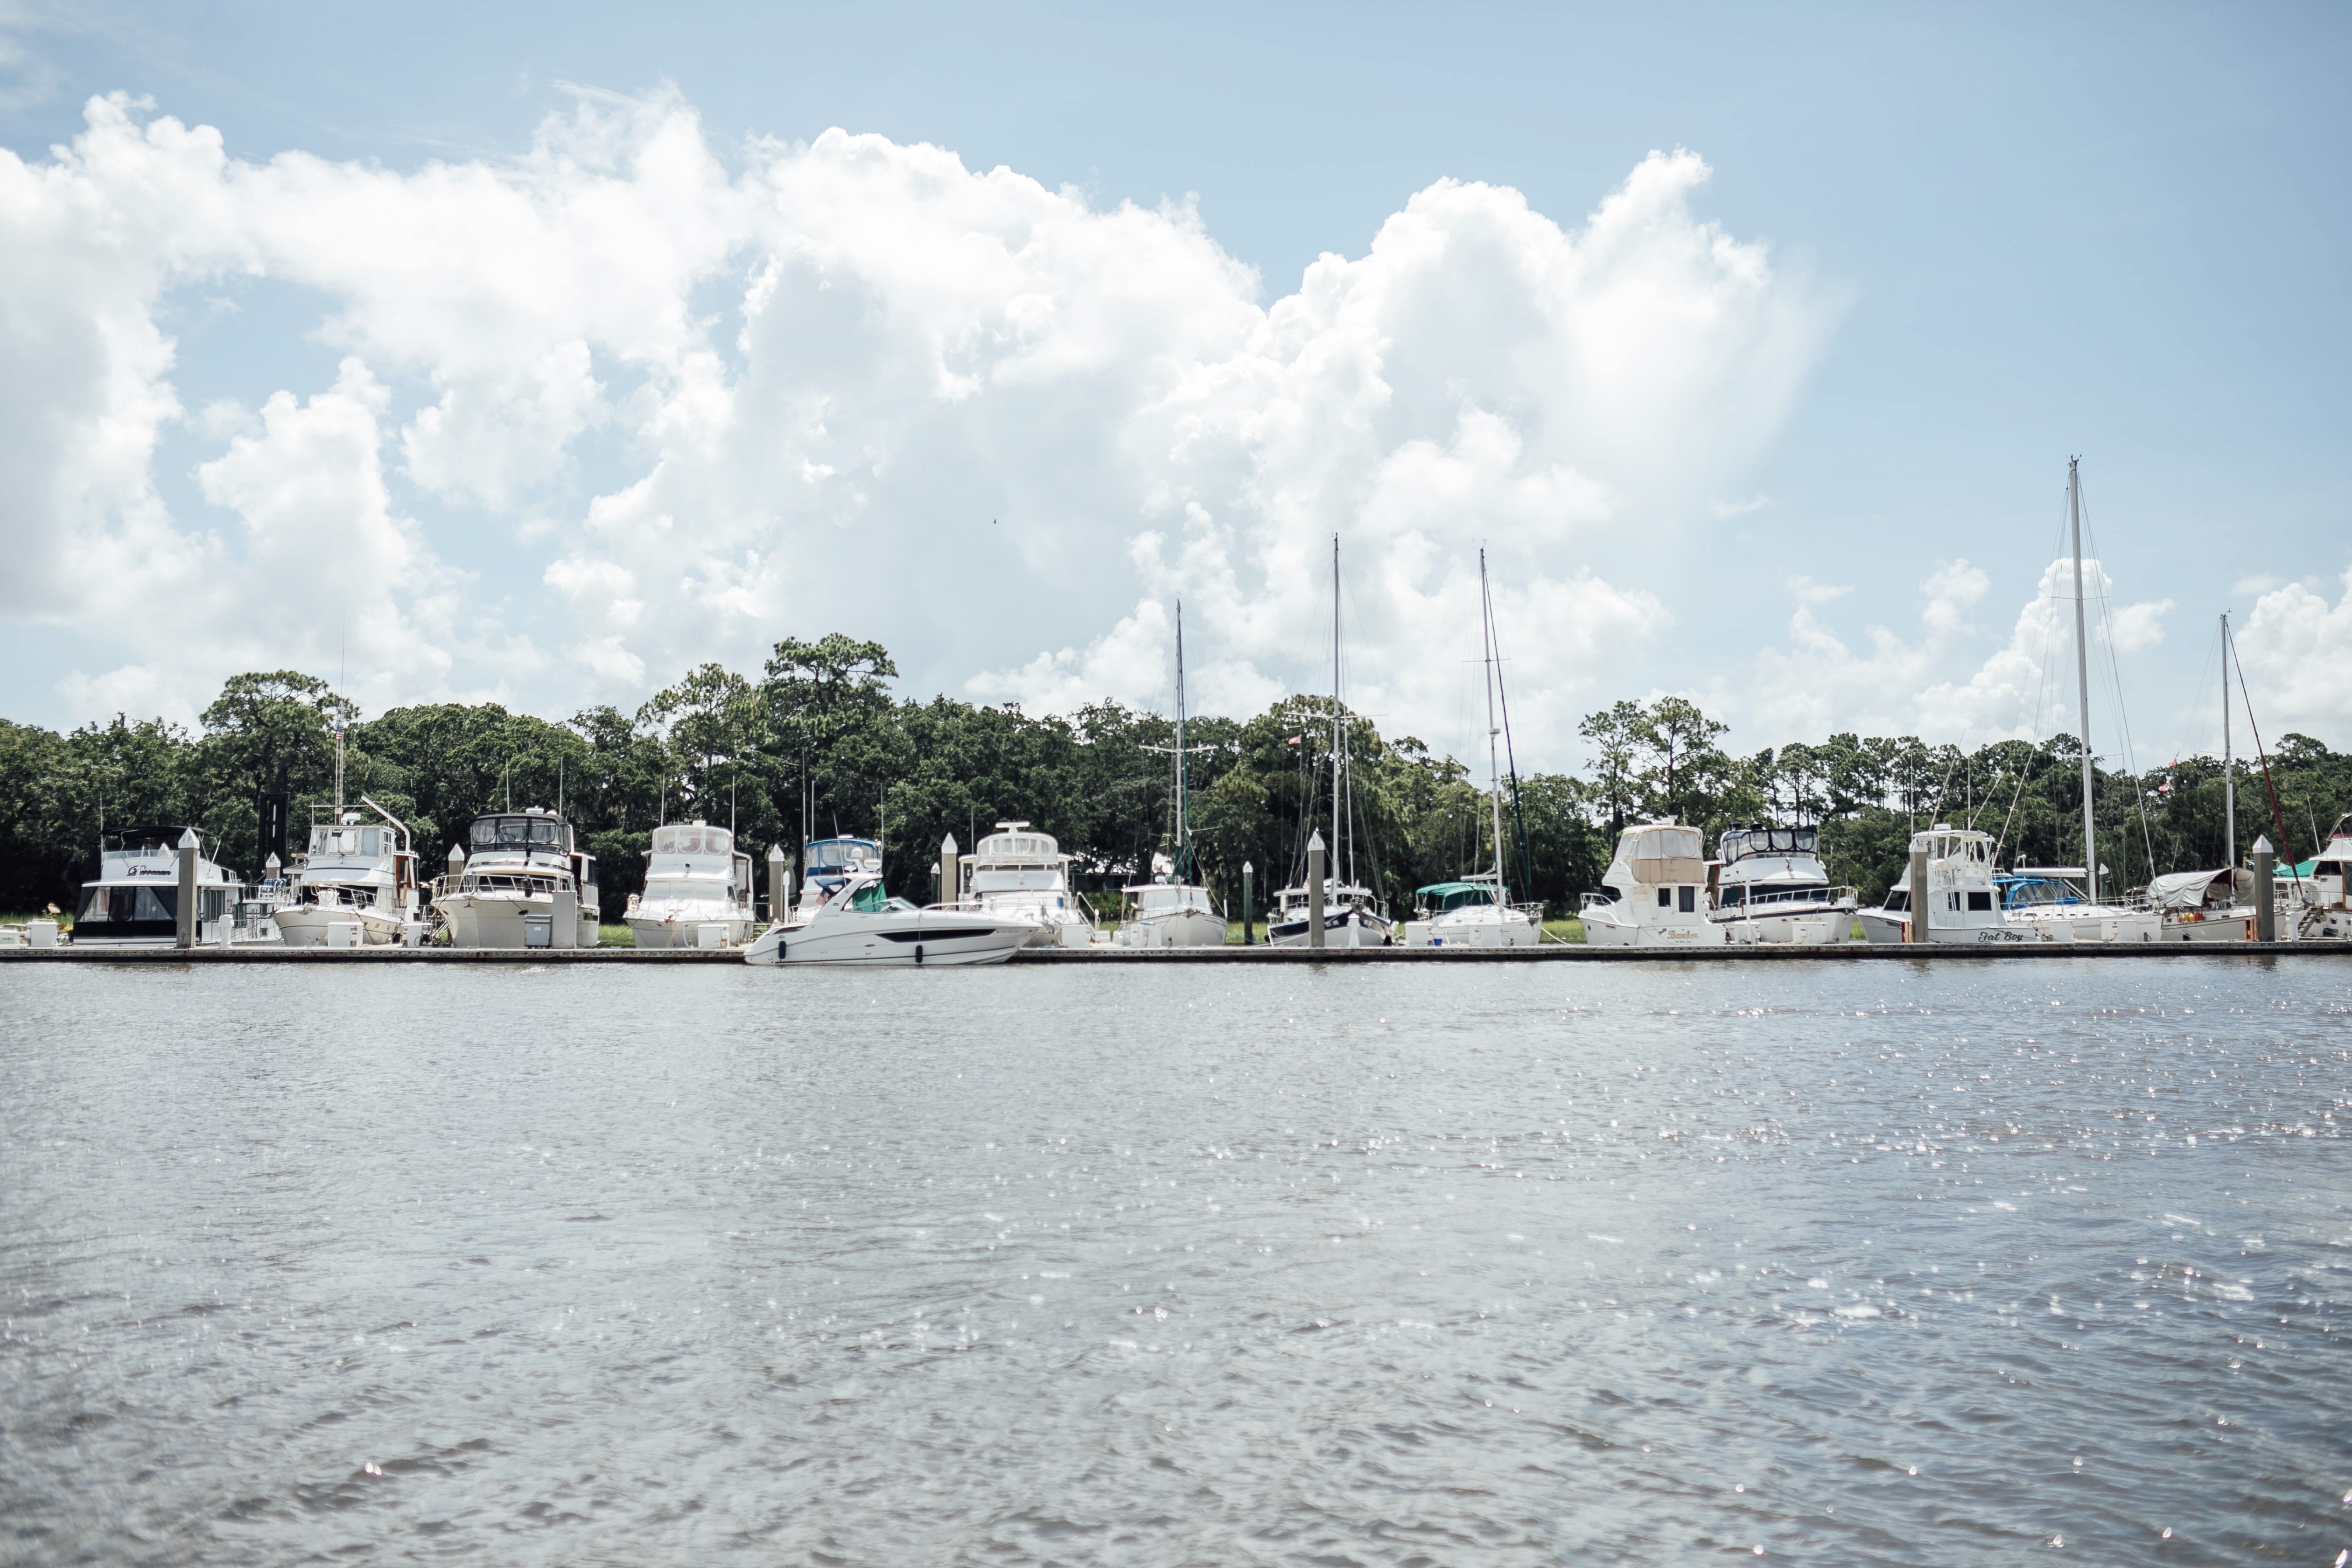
(2001, 239)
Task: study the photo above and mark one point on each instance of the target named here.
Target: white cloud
(2297, 649)
(853, 385)
(1728, 509)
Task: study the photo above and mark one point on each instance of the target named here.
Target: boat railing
(1832, 896)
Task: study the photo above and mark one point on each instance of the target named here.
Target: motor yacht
(134, 900)
(860, 923)
(1961, 903)
(828, 864)
(353, 873)
(526, 883)
(1654, 892)
(1770, 887)
(697, 890)
(2052, 897)
(1022, 874)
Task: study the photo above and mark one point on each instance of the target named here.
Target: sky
(539, 354)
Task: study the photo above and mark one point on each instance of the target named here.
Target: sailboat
(1477, 910)
(1351, 914)
(2065, 899)
(1170, 910)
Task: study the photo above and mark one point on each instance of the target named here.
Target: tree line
(816, 745)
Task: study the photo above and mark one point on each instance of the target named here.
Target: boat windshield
(519, 832)
(367, 842)
(869, 899)
(2029, 893)
(1737, 843)
(1444, 896)
(696, 838)
(840, 854)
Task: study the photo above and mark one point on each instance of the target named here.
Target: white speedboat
(859, 923)
(1654, 891)
(134, 900)
(1771, 888)
(697, 890)
(2052, 898)
(1020, 874)
(526, 883)
(1961, 904)
(1171, 910)
(353, 873)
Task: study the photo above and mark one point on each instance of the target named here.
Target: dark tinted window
(1688, 900)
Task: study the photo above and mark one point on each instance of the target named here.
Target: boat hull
(1692, 935)
(659, 935)
(1347, 928)
(947, 939)
(1891, 929)
(1185, 928)
(476, 920)
(1820, 928)
(305, 925)
(1510, 929)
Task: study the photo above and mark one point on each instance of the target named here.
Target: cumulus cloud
(2297, 649)
(718, 395)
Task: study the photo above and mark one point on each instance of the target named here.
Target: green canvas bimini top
(1453, 895)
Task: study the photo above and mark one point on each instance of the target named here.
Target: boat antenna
(2278, 819)
(2083, 678)
(1510, 761)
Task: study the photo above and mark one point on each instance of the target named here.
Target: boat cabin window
(690, 841)
(1740, 842)
(501, 832)
(840, 854)
(1980, 902)
(1665, 898)
(112, 906)
(369, 842)
(1686, 899)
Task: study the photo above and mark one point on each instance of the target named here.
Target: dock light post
(948, 864)
(186, 934)
(779, 878)
(1315, 890)
(2265, 905)
(1249, 934)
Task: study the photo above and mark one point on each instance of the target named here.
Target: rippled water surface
(1386, 1264)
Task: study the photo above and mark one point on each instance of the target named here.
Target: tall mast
(2228, 775)
(1493, 762)
(1183, 825)
(2083, 678)
(1342, 870)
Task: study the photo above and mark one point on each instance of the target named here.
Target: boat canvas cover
(2194, 889)
(1659, 854)
(1454, 895)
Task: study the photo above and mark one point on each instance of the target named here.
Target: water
(1383, 1265)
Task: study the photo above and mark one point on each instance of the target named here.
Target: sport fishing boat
(1171, 910)
(355, 873)
(1654, 892)
(526, 877)
(1771, 887)
(828, 864)
(2054, 897)
(1020, 874)
(698, 889)
(1476, 911)
(860, 923)
(1961, 904)
(134, 899)
(1351, 911)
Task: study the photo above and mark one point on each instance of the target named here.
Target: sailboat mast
(2083, 678)
(1342, 869)
(1493, 762)
(1183, 825)
(2228, 775)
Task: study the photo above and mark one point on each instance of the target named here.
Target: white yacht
(1654, 891)
(698, 889)
(2053, 898)
(1020, 874)
(353, 873)
(2320, 912)
(134, 899)
(1171, 910)
(858, 923)
(1961, 904)
(1351, 911)
(526, 884)
(1771, 887)
(828, 864)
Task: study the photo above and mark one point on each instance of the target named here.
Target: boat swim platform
(1549, 953)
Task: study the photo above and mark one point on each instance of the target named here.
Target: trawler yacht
(1018, 873)
(1654, 891)
(525, 875)
(355, 873)
(1961, 903)
(698, 889)
(1773, 887)
(2051, 898)
(858, 923)
(134, 900)
(828, 864)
